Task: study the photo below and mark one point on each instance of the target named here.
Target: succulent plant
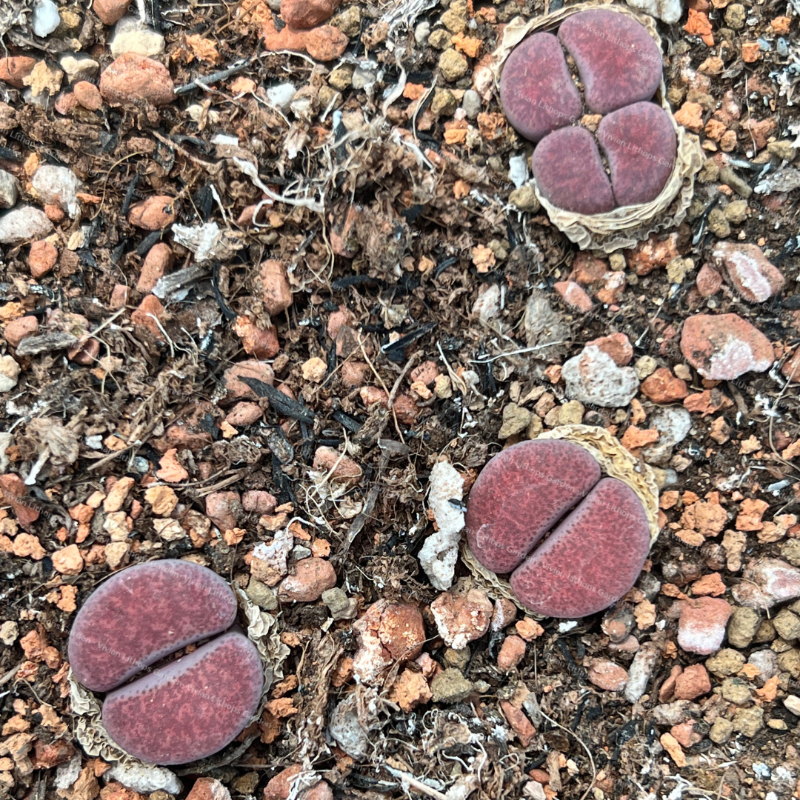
(574, 543)
(189, 708)
(620, 70)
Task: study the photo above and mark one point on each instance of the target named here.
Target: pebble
(724, 346)
(766, 661)
(511, 653)
(792, 702)
(721, 731)
(692, 682)
(743, 625)
(748, 270)
(668, 11)
(386, 633)
(281, 95)
(339, 604)
(257, 341)
(224, 509)
(336, 466)
(708, 281)
(410, 690)
(68, 560)
(42, 258)
(664, 387)
(148, 315)
(766, 583)
(787, 624)
(153, 214)
(23, 223)
(736, 691)
(422, 32)
(617, 345)
(257, 370)
(701, 627)
(9, 373)
(132, 78)
(324, 43)
(157, 261)
(88, 95)
(132, 36)
(673, 424)
(640, 671)
(15, 69)
(462, 618)
(453, 65)
(9, 189)
(593, 377)
(471, 103)
(749, 721)
(45, 17)
(450, 686)
(78, 67)
(361, 78)
(607, 675)
(653, 253)
(272, 284)
(16, 330)
(505, 612)
(573, 294)
(58, 186)
(305, 14)
(726, 662)
(311, 578)
(110, 11)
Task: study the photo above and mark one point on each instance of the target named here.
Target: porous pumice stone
(591, 559)
(618, 60)
(640, 146)
(536, 90)
(190, 708)
(570, 174)
(520, 494)
(143, 614)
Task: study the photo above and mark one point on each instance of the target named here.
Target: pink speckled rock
(591, 559)
(536, 89)
(142, 615)
(748, 270)
(570, 173)
(190, 708)
(520, 494)
(619, 62)
(640, 146)
(722, 347)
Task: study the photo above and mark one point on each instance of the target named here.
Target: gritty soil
(398, 214)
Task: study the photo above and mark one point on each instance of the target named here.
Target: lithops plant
(191, 707)
(573, 541)
(630, 164)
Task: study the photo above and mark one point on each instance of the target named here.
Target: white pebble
(45, 17)
(131, 36)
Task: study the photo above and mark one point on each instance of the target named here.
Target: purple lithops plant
(536, 89)
(620, 68)
(574, 543)
(520, 494)
(591, 559)
(619, 62)
(640, 146)
(143, 614)
(191, 707)
(570, 172)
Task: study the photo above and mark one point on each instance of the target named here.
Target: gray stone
(471, 103)
(131, 36)
(45, 17)
(58, 186)
(261, 594)
(339, 604)
(24, 223)
(9, 189)
(450, 686)
(742, 626)
(749, 721)
(736, 691)
(363, 77)
(787, 624)
(594, 378)
(766, 661)
(79, 67)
